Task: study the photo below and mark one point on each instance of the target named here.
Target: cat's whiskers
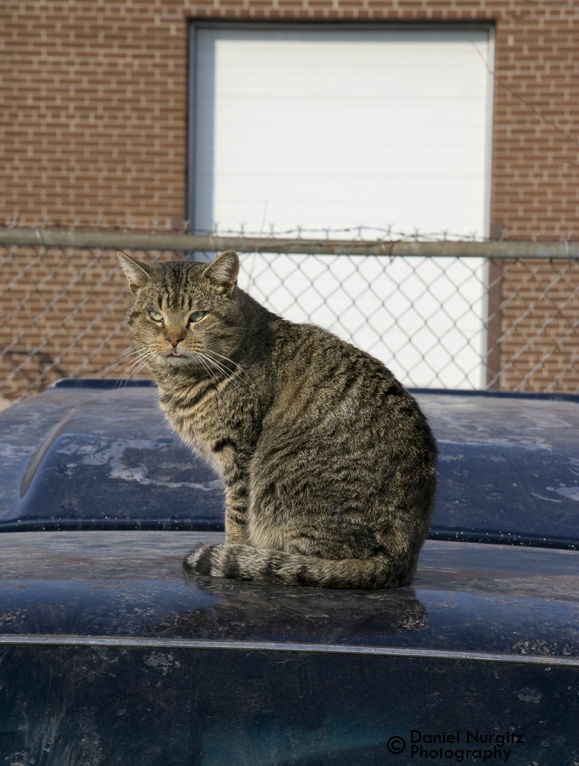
(238, 369)
(207, 368)
(135, 365)
(215, 366)
(126, 352)
(123, 359)
(211, 354)
(142, 355)
(222, 356)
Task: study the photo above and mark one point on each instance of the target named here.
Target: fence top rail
(111, 240)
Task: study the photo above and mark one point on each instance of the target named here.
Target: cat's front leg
(236, 504)
(233, 467)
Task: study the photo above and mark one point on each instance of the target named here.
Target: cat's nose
(175, 339)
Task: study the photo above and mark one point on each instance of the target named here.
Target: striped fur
(328, 463)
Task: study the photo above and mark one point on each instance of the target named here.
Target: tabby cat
(328, 462)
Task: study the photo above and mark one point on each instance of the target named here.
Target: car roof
(99, 455)
(113, 502)
(130, 589)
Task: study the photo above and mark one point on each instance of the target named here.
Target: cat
(329, 465)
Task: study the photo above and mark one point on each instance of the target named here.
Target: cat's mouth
(175, 353)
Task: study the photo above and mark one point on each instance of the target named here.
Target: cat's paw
(200, 559)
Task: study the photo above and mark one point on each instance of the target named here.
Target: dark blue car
(110, 653)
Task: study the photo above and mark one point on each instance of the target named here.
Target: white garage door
(328, 129)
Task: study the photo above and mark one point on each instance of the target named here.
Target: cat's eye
(196, 316)
(156, 316)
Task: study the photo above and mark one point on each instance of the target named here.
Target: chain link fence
(440, 314)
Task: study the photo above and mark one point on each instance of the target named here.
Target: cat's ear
(137, 273)
(224, 271)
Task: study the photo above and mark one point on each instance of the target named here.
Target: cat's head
(185, 315)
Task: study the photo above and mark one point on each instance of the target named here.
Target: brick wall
(93, 99)
(539, 326)
(94, 105)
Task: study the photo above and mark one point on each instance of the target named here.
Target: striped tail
(243, 562)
